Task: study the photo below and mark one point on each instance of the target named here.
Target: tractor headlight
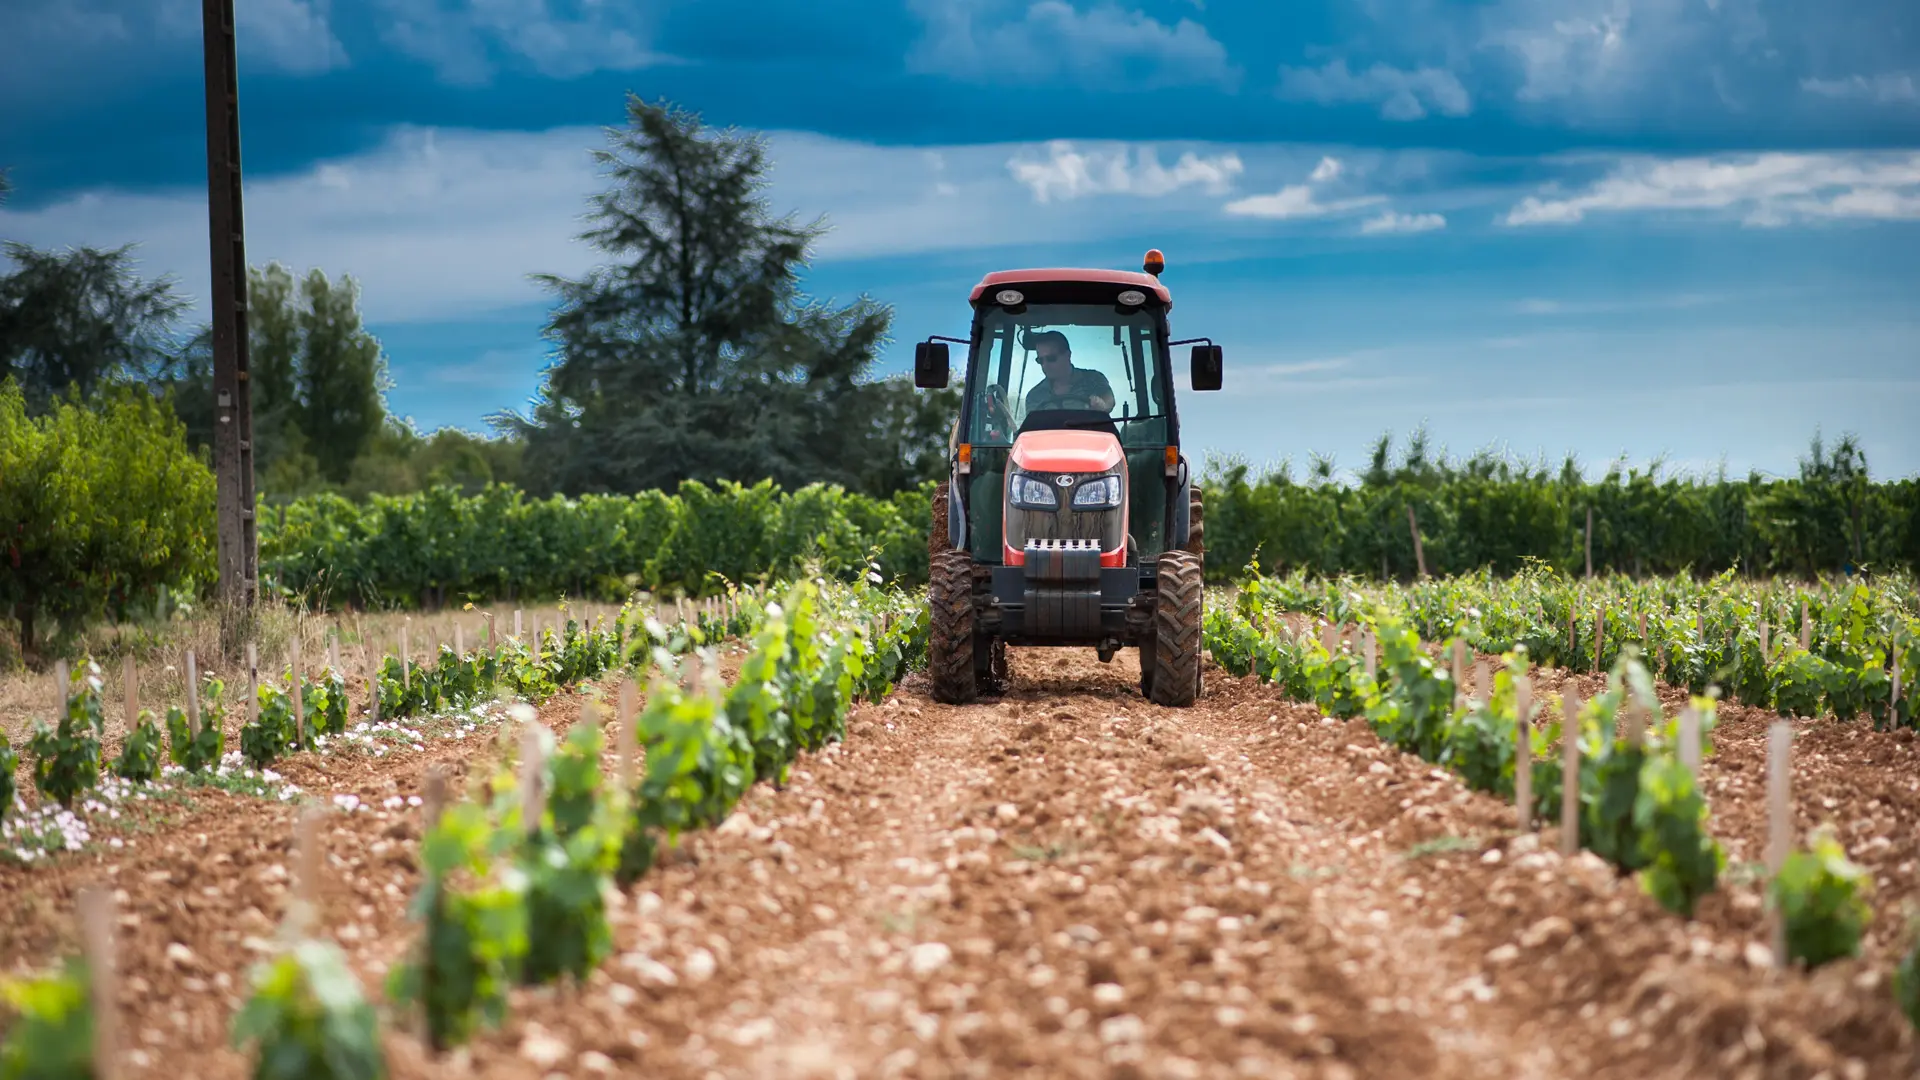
(1032, 493)
(1098, 494)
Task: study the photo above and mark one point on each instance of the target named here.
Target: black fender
(1182, 507)
(957, 512)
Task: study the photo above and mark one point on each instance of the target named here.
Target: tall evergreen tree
(693, 354)
(318, 379)
(80, 318)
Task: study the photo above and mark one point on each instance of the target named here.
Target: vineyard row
(1617, 770)
(514, 887)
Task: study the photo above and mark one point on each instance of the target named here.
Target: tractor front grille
(1063, 560)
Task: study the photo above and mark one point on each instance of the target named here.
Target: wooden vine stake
(1779, 822)
(302, 913)
(1419, 553)
(516, 624)
(532, 768)
(96, 939)
(1570, 773)
(1893, 698)
(1459, 672)
(373, 687)
(406, 656)
(1690, 738)
(63, 683)
(1573, 633)
(253, 682)
(1523, 752)
(433, 801)
(629, 739)
(1766, 652)
(1482, 680)
(299, 697)
(1599, 635)
(132, 681)
(193, 697)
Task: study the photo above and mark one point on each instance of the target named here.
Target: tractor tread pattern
(950, 633)
(1176, 630)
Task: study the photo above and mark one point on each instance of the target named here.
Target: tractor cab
(1069, 502)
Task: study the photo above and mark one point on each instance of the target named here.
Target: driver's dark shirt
(1084, 385)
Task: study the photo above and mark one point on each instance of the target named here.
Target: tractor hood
(1066, 452)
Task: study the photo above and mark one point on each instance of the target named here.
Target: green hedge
(1500, 518)
(441, 546)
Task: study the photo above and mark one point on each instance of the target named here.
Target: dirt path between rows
(1064, 882)
(1071, 882)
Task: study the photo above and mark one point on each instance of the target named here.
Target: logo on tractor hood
(1063, 480)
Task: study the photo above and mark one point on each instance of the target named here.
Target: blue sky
(1679, 228)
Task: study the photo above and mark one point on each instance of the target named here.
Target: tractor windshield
(1076, 357)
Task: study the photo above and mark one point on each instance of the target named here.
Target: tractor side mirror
(930, 365)
(1206, 367)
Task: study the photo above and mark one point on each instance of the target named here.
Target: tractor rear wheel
(1174, 651)
(1196, 534)
(950, 640)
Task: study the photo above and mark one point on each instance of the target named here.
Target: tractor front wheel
(1173, 656)
(950, 641)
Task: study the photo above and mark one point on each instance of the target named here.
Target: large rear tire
(1175, 647)
(950, 640)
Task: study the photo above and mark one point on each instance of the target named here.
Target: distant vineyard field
(441, 545)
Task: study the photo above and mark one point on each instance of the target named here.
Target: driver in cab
(1065, 386)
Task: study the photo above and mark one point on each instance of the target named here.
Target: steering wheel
(999, 418)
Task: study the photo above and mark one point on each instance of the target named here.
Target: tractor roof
(1101, 277)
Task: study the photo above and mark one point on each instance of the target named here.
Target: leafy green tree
(101, 505)
(693, 355)
(80, 318)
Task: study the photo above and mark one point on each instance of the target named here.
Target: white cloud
(1766, 189)
(1067, 173)
(1297, 201)
(442, 224)
(1675, 302)
(1303, 200)
(292, 35)
(1401, 95)
(1104, 46)
(1887, 89)
(460, 38)
(1576, 47)
(102, 38)
(1393, 222)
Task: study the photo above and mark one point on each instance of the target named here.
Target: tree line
(1491, 512)
(691, 353)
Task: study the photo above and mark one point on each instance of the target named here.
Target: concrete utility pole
(233, 402)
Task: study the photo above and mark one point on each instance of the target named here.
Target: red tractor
(1070, 516)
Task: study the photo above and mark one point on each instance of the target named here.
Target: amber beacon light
(1155, 262)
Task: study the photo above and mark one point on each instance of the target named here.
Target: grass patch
(1442, 845)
